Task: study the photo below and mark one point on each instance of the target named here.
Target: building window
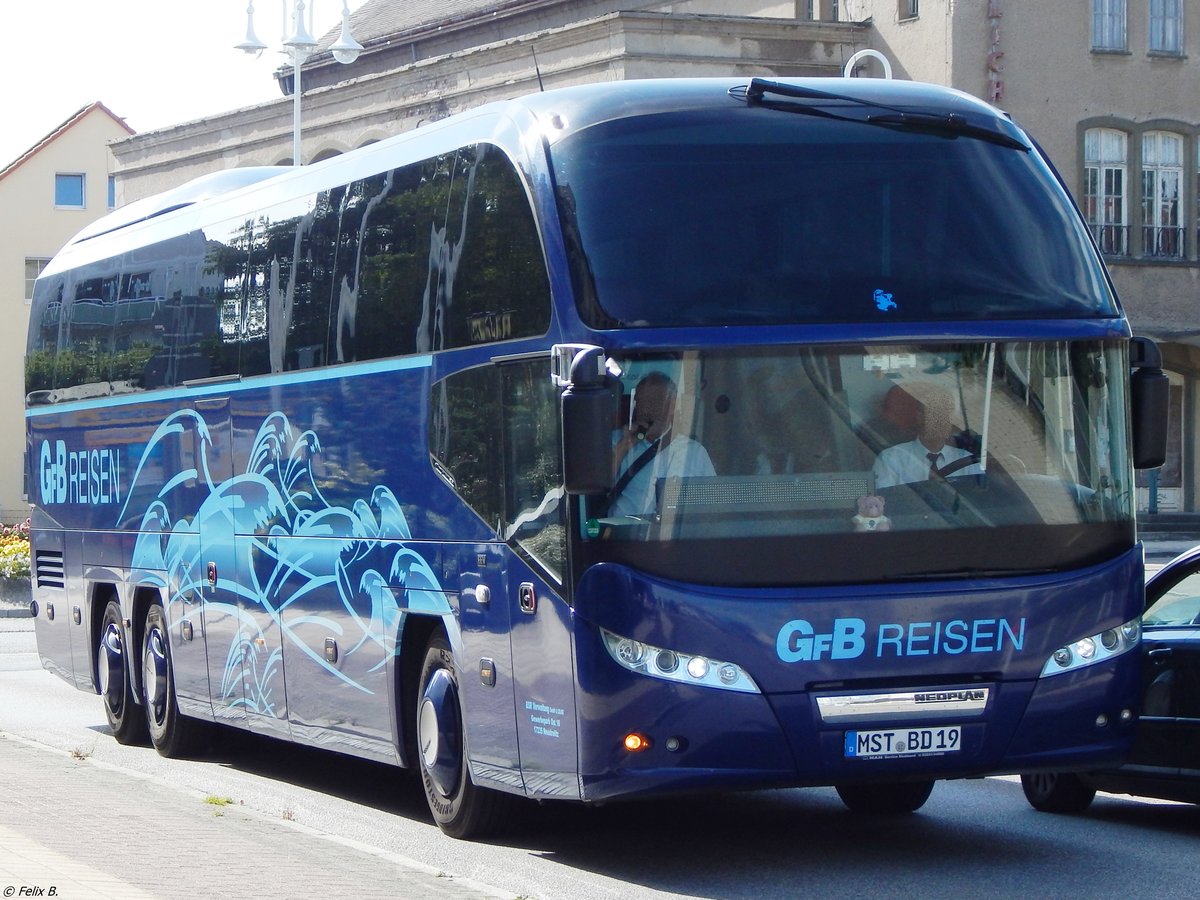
(68, 190)
(1104, 204)
(1197, 206)
(1166, 26)
(33, 268)
(1108, 24)
(1162, 190)
(823, 10)
(909, 9)
(112, 191)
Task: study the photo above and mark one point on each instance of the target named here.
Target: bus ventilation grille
(48, 569)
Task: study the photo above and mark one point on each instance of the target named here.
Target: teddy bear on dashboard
(870, 514)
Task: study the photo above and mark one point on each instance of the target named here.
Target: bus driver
(928, 455)
(650, 449)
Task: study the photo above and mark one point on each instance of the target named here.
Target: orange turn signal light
(635, 742)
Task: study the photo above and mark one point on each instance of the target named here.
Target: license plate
(904, 742)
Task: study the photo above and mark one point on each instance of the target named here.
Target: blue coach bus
(614, 441)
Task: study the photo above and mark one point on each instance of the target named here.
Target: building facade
(47, 195)
(1106, 86)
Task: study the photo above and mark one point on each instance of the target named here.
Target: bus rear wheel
(172, 734)
(460, 808)
(1057, 792)
(127, 722)
(886, 797)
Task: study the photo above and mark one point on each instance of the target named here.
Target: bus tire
(125, 718)
(460, 808)
(1057, 792)
(886, 797)
(172, 734)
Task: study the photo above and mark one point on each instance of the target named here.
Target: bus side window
(535, 502)
(194, 321)
(42, 356)
(307, 334)
(463, 424)
(494, 436)
(384, 267)
(279, 283)
(501, 287)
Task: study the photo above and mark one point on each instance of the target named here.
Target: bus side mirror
(588, 412)
(1149, 393)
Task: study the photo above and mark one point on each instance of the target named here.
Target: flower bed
(14, 561)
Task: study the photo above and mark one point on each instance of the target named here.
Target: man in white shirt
(928, 456)
(668, 455)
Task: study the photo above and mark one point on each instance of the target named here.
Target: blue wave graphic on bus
(291, 545)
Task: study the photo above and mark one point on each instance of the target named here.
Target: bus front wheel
(1057, 792)
(112, 674)
(460, 808)
(172, 734)
(885, 797)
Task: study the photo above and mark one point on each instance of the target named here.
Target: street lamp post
(299, 46)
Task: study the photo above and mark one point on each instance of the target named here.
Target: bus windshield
(751, 215)
(852, 464)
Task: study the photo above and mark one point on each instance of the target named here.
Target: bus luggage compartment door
(53, 621)
(245, 661)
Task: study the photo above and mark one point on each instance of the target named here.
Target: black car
(1165, 761)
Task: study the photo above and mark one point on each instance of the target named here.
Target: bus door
(534, 506)
(496, 434)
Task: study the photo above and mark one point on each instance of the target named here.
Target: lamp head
(346, 49)
(301, 42)
(251, 44)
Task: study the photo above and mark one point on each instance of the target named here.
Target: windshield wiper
(949, 124)
(945, 124)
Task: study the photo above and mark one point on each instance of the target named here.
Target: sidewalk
(78, 829)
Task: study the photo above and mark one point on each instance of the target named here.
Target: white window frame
(40, 262)
(1106, 188)
(1166, 26)
(1108, 25)
(1162, 194)
(910, 9)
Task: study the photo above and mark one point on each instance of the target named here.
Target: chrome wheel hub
(110, 666)
(154, 675)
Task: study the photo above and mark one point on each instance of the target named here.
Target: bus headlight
(1094, 649)
(673, 665)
